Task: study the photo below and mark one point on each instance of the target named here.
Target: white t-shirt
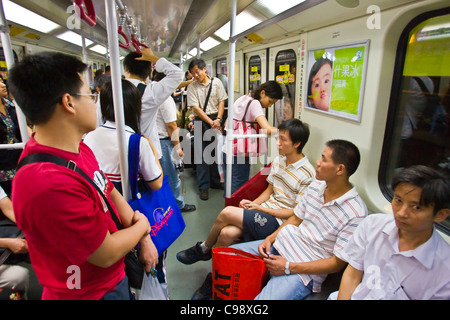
(254, 110)
(154, 95)
(103, 142)
(167, 112)
(2, 193)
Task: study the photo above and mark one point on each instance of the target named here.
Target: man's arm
(276, 266)
(163, 89)
(172, 130)
(118, 244)
(264, 196)
(266, 245)
(350, 280)
(149, 254)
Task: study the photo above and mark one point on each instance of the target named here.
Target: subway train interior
(388, 55)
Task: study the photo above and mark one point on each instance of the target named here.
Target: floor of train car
(183, 279)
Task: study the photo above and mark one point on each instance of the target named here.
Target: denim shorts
(258, 225)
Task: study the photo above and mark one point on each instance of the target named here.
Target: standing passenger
(209, 116)
(170, 144)
(250, 108)
(137, 70)
(74, 245)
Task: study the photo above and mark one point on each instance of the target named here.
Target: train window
(285, 71)
(418, 125)
(254, 72)
(221, 67)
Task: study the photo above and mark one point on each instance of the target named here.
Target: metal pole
(113, 41)
(229, 136)
(9, 56)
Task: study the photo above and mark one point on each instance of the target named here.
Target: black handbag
(134, 269)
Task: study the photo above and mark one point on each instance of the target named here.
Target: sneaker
(188, 208)
(204, 195)
(194, 254)
(205, 291)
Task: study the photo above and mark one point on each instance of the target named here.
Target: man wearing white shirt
(401, 256)
(137, 70)
(170, 145)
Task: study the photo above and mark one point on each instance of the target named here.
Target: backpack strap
(209, 93)
(46, 157)
(141, 87)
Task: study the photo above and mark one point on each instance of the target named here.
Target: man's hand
(148, 55)
(140, 218)
(264, 248)
(148, 254)
(275, 265)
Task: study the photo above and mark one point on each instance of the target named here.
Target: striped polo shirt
(289, 183)
(325, 230)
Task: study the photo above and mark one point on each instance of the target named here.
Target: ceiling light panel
(27, 18)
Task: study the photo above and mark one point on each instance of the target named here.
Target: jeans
(240, 172)
(285, 287)
(171, 171)
(120, 292)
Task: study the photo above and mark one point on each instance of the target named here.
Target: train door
(255, 69)
(256, 74)
(283, 69)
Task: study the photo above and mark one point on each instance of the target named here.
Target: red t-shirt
(65, 220)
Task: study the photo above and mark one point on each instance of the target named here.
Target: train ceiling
(176, 27)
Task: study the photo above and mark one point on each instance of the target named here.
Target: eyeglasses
(94, 96)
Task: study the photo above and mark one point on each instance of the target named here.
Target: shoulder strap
(209, 93)
(133, 162)
(46, 157)
(246, 109)
(141, 87)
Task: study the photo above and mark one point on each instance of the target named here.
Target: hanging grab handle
(88, 16)
(122, 19)
(136, 44)
(127, 44)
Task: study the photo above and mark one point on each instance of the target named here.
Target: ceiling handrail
(88, 16)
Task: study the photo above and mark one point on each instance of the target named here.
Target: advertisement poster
(336, 78)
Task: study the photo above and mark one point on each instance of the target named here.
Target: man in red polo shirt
(74, 245)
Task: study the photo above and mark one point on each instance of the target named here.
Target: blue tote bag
(160, 207)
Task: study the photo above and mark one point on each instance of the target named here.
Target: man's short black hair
(39, 81)
(197, 62)
(298, 132)
(435, 185)
(346, 153)
(140, 68)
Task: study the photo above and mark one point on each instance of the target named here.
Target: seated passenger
(13, 277)
(74, 245)
(308, 246)
(402, 256)
(290, 175)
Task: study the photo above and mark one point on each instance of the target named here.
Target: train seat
(251, 189)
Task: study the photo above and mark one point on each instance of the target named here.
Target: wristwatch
(286, 268)
(219, 119)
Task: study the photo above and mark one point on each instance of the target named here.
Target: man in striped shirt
(290, 175)
(308, 246)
